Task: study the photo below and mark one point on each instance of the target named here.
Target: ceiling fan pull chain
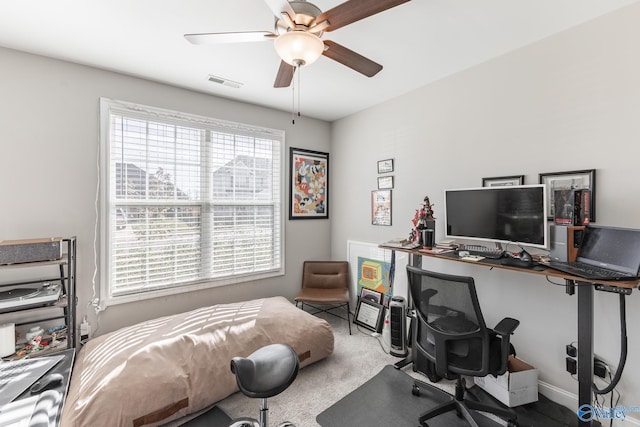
(299, 89)
(293, 98)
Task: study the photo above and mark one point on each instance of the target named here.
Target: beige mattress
(163, 369)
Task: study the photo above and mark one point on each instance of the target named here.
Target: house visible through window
(188, 202)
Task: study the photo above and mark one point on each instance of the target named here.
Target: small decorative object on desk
(425, 224)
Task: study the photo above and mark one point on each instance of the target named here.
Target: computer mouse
(525, 256)
(46, 383)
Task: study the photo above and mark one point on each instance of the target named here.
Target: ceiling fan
(298, 28)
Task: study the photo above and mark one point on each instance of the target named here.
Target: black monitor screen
(499, 214)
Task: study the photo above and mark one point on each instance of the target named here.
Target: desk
(64, 367)
(585, 309)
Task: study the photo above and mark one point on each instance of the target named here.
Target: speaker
(30, 250)
(565, 242)
(398, 321)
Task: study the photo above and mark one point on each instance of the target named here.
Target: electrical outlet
(599, 368)
(572, 365)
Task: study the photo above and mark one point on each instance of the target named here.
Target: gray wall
(49, 130)
(569, 102)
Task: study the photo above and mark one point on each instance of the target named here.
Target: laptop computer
(16, 376)
(606, 253)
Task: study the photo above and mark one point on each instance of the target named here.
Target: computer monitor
(508, 214)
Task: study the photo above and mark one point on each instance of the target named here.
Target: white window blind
(189, 201)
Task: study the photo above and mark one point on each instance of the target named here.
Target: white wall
(49, 129)
(569, 102)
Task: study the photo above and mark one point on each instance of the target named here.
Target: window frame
(107, 106)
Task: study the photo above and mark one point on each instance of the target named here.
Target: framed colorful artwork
(309, 184)
(381, 207)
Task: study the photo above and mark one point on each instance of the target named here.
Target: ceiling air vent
(223, 81)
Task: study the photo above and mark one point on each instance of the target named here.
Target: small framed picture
(369, 315)
(501, 181)
(574, 180)
(381, 207)
(385, 182)
(371, 295)
(385, 166)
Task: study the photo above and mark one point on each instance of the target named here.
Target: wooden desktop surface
(539, 269)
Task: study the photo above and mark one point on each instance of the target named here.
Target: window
(188, 202)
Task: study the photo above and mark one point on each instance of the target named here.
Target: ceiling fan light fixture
(299, 47)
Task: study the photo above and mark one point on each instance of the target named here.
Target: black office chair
(450, 332)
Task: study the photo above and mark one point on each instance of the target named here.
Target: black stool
(266, 372)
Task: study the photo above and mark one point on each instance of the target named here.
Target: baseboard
(570, 400)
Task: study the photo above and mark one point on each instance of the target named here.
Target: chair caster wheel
(415, 390)
(244, 422)
(512, 423)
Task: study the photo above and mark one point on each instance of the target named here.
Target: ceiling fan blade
(279, 6)
(351, 59)
(355, 10)
(285, 75)
(235, 37)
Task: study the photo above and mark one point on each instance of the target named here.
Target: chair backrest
(450, 330)
(325, 274)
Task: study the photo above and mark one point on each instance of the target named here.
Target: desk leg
(585, 346)
(416, 260)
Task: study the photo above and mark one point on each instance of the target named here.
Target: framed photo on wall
(385, 182)
(501, 181)
(582, 179)
(308, 184)
(385, 166)
(381, 207)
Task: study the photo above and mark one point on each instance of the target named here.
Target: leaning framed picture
(308, 184)
(369, 315)
(573, 180)
(371, 295)
(381, 207)
(501, 181)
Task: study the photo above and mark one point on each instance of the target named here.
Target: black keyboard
(491, 253)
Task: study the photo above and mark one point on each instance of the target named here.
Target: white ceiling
(417, 43)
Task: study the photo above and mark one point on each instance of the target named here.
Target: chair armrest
(506, 326)
(504, 329)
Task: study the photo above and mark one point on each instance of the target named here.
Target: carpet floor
(334, 384)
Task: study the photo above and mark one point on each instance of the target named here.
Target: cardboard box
(517, 386)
